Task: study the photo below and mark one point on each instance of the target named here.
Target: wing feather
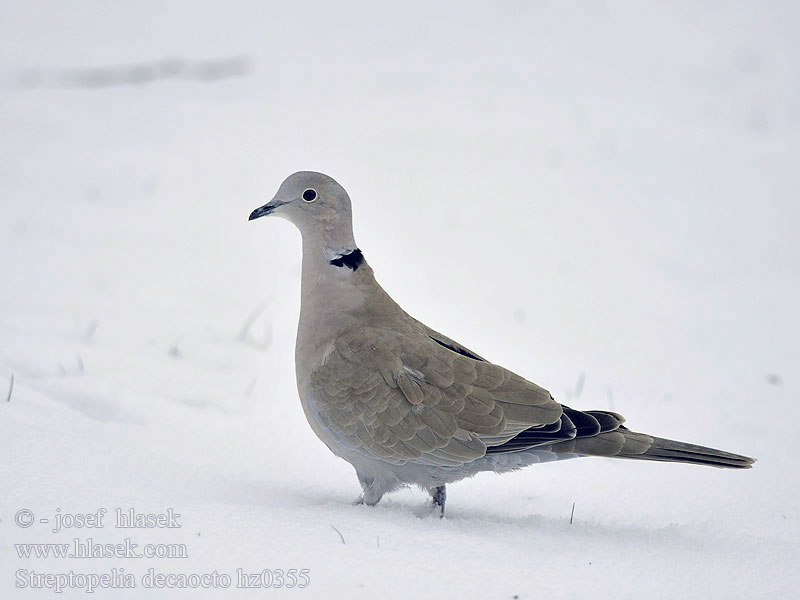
(405, 397)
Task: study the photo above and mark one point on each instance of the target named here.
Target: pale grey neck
(317, 255)
(329, 294)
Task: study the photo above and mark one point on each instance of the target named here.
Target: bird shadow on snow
(414, 513)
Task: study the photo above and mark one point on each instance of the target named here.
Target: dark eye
(310, 195)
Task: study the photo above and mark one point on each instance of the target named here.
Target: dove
(406, 405)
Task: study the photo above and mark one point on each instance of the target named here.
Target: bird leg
(371, 494)
(439, 495)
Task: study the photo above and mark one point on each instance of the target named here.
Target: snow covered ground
(601, 196)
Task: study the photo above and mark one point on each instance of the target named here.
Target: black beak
(262, 211)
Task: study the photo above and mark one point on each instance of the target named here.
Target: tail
(602, 433)
(621, 442)
(672, 451)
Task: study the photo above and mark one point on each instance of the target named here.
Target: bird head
(316, 204)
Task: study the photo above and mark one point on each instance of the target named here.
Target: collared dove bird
(404, 404)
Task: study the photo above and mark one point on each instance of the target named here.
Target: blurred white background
(602, 196)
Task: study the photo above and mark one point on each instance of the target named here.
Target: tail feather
(624, 443)
(602, 433)
(673, 451)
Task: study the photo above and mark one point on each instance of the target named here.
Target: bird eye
(310, 195)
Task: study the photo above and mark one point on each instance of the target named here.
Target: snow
(598, 190)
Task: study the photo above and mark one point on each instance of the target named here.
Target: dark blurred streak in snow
(774, 379)
(204, 71)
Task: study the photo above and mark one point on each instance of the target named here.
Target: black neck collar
(352, 260)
